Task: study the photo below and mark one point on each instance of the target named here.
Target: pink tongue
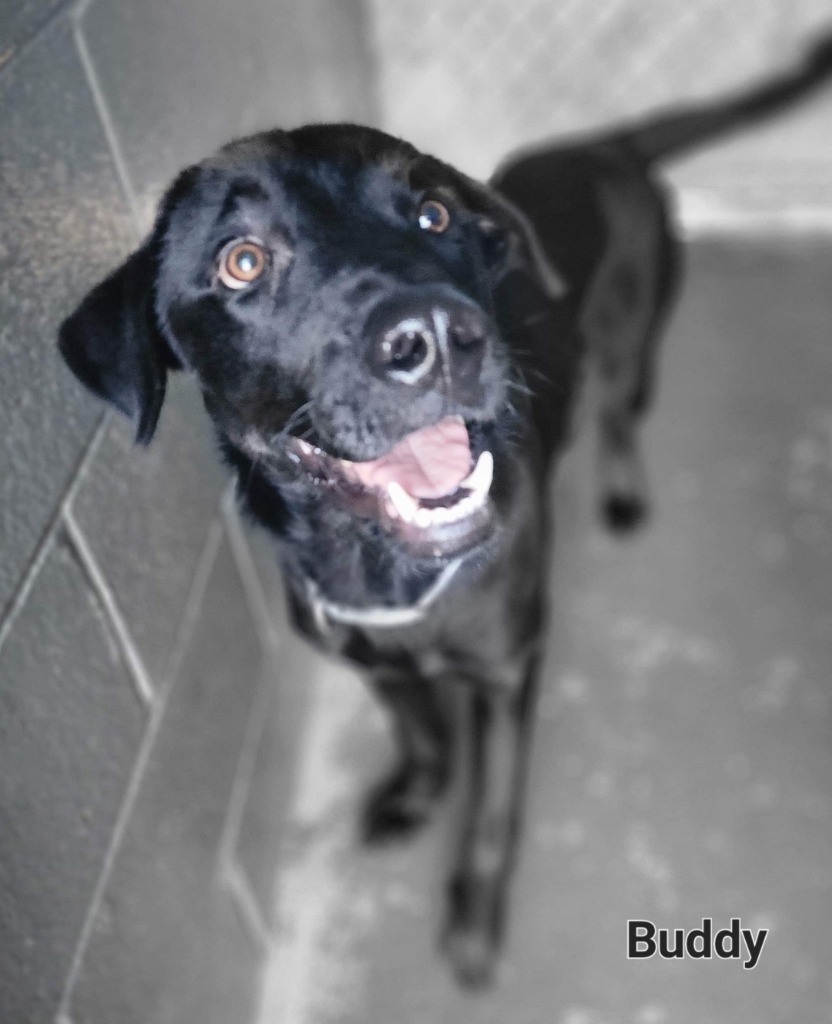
(429, 463)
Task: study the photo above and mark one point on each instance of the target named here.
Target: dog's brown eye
(242, 262)
(433, 216)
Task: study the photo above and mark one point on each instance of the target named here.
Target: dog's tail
(671, 133)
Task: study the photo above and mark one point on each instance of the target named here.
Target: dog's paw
(623, 513)
(400, 805)
(473, 958)
(624, 497)
(473, 930)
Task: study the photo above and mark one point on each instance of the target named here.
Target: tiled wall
(141, 644)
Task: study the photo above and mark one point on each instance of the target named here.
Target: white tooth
(454, 512)
(424, 518)
(304, 446)
(469, 504)
(480, 480)
(402, 502)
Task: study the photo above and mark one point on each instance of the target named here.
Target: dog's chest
(470, 632)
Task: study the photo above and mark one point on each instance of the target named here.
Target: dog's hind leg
(622, 480)
(621, 319)
(402, 800)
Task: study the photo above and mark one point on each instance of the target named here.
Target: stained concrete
(682, 765)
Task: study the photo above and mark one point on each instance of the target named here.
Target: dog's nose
(407, 352)
(415, 339)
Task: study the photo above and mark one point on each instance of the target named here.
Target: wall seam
(245, 767)
(246, 904)
(103, 112)
(193, 604)
(129, 652)
(15, 53)
(44, 546)
(266, 627)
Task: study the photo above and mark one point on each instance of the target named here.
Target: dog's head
(334, 292)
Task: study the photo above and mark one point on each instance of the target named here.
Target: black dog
(388, 352)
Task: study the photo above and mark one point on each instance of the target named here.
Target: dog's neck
(351, 581)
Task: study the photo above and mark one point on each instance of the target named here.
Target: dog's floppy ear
(113, 342)
(512, 243)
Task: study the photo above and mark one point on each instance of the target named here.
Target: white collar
(327, 612)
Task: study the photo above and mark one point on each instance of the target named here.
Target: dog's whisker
(540, 375)
(296, 417)
(520, 387)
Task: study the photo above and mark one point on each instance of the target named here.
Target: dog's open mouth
(429, 488)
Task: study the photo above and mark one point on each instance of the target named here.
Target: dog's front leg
(402, 800)
(477, 893)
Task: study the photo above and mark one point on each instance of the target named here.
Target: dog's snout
(433, 335)
(407, 352)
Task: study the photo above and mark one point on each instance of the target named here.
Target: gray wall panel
(166, 942)
(70, 726)
(146, 513)
(63, 225)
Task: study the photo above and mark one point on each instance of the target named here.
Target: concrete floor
(682, 766)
